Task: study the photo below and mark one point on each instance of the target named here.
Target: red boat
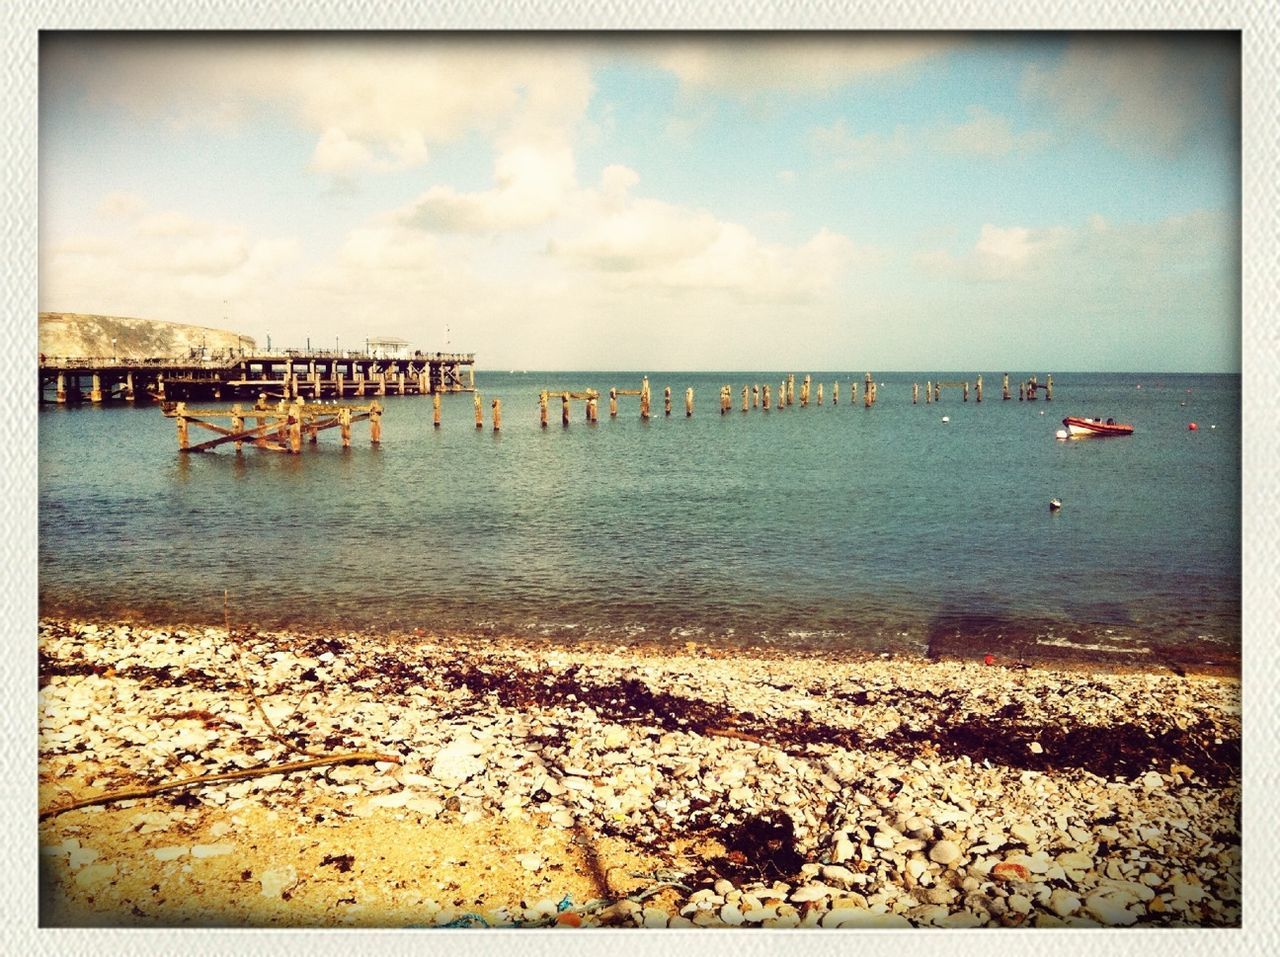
(1084, 426)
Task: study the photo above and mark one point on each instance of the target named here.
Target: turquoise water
(881, 530)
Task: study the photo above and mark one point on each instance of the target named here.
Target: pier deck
(282, 374)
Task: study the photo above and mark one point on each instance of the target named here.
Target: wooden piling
(181, 413)
(724, 399)
(928, 392)
(915, 393)
(978, 390)
(237, 424)
(593, 410)
(344, 426)
(435, 409)
(360, 382)
(128, 386)
(755, 396)
(564, 409)
(937, 391)
(867, 395)
(1005, 392)
(666, 400)
(382, 382)
(497, 415)
(835, 392)
(745, 392)
(375, 424)
(613, 403)
(479, 412)
(782, 395)
(295, 427)
(791, 389)
(804, 392)
(688, 402)
(1022, 391)
(542, 408)
(819, 393)
(765, 397)
(95, 393)
(966, 390)
(61, 394)
(644, 399)
(338, 385)
(1048, 387)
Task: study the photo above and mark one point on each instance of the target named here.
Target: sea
(901, 529)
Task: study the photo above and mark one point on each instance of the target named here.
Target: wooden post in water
(724, 399)
(835, 392)
(782, 395)
(745, 391)
(666, 400)
(966, 390)
(644, 399)
(344, 426)
(873, 393)
(928, 392)
(978, 390)
(1005, 392)
(613, 403)
(61, 394)
(542, 408)
(688, 402)
(479, 412)
(399, 376)
(295, 426)
(1022, 391)
(755, 396)
(237, 424)
(804, 392)
(360, 381)
(338, 385)
(435, 409)
(95, 393)
(915, 393)
(819, 393)
(564, 409)
(497, 415)
(128, 386)
(1048, 387)
(791, 389)
(765, 397)
(375, 424)
(181, 413)
(382, 382)
(593, 410)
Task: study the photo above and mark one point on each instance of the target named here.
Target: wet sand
(561, 784)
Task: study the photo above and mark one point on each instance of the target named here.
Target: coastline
(541, 783)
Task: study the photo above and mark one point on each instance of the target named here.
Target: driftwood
(129, 794)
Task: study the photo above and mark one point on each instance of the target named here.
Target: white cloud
(1000, 253)
(375, 104)
(175, 265)
(1152, 92)
(986, 134)
(746, 65)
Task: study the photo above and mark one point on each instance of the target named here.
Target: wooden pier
(284, 374)
(277, 428)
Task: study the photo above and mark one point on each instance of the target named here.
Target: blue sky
(883, 201)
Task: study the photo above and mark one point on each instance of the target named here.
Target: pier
(283, 374)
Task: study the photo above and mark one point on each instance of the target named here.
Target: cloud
(175, 264)
(746, 65)
(374, 103)
(984, 134)
(531, 187)
(632, 241)
(1151, 92)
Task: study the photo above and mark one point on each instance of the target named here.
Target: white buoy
(946, 418)
(1062, 433)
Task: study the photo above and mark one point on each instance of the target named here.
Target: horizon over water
(835, 526)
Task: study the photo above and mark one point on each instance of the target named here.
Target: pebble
(944, 853)
(277, 880)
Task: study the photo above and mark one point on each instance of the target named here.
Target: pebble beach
(474, 783)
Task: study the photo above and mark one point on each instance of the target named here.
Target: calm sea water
(881, 529)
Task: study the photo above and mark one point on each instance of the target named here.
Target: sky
(825, 201)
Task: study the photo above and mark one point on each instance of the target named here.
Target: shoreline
(593, 783)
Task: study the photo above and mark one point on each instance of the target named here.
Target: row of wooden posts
(280, 428)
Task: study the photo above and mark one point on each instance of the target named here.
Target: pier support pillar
(978, 390)
(1048, 387)
(644, 399)
(237, 424)
(564, 409)
(1005, 392)
(966, 391)
(915, 393)
(542, 409)
(375, 424)
(497, 415)
(435, 409)
(666, 400)
(819, 393)
(181, 413)
(95, 392)
(613, 403)
(835, 393)
(295, 427)
(61, 395)
(744, 399)
(129, 393)
(688, 402)
(766, 397)
(755, 396)
(344, 426)
(471, 376)
(479, 412)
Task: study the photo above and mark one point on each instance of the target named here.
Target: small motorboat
(1077, 426)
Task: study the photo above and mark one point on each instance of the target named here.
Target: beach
(473, 782)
